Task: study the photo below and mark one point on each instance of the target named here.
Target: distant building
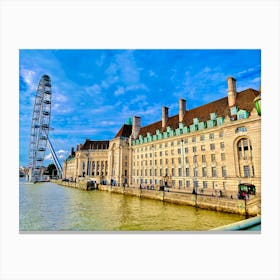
(210, 148)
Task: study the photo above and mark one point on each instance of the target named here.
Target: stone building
(90, 160)
(210, 148)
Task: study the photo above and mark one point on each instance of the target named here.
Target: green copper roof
(129, 121)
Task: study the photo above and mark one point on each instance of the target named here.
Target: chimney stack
(136, 125)
(182, 109)
(231, 91)
(164, 118)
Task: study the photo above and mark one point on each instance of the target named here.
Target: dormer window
(233, 110)
(242, 114)
(213, 116)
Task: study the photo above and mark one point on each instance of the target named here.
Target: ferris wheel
(40, 126)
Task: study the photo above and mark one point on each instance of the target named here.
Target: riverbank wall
(249, 208)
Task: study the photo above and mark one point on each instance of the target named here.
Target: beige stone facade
(209, 160)
(89, 161)
(210, 148)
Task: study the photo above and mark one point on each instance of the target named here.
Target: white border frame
(139, 24)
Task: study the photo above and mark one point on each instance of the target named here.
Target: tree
(51, 169)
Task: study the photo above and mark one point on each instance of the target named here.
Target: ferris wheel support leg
(55, 159)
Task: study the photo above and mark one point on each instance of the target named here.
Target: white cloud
(122, 90)
(119, 91)
(59, 97)
(153, 74)
(29, 78)
(105, 123)
(61, 108)
(48, 157)
(94, 89)
(61, 152)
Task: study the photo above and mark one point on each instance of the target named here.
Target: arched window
(244, 149)
(245, 158)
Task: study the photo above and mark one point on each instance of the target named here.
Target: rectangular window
(194, 139)
(186, 150)
(166, 171)
(246, 169)
(212, 147)
(186, 160)
(173, 183)
(179, 160)
(188, 184)
(187, 172)
(214, 172)
(211, 136)
(204, 172)
(194, 149)
(179, 172)
(204, 184)
(223, 156)
(195, 159)
(222, 145)
(172, 160)
(166, 161)
(221, 134)
(203, 158)
(195, 172)
(213, 158)
(179, 151)
(180, 184)
(160, 172)
(224, 171)
(202, 137)
(160, 161)
(173, 172)
(202, 147)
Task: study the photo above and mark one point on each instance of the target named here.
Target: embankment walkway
(251, 207)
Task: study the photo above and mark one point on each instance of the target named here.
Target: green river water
(50, 207)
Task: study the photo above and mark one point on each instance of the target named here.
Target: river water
(50, 207)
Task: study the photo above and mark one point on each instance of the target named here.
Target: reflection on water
(47, 206)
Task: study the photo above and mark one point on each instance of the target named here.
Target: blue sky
(96, 91)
